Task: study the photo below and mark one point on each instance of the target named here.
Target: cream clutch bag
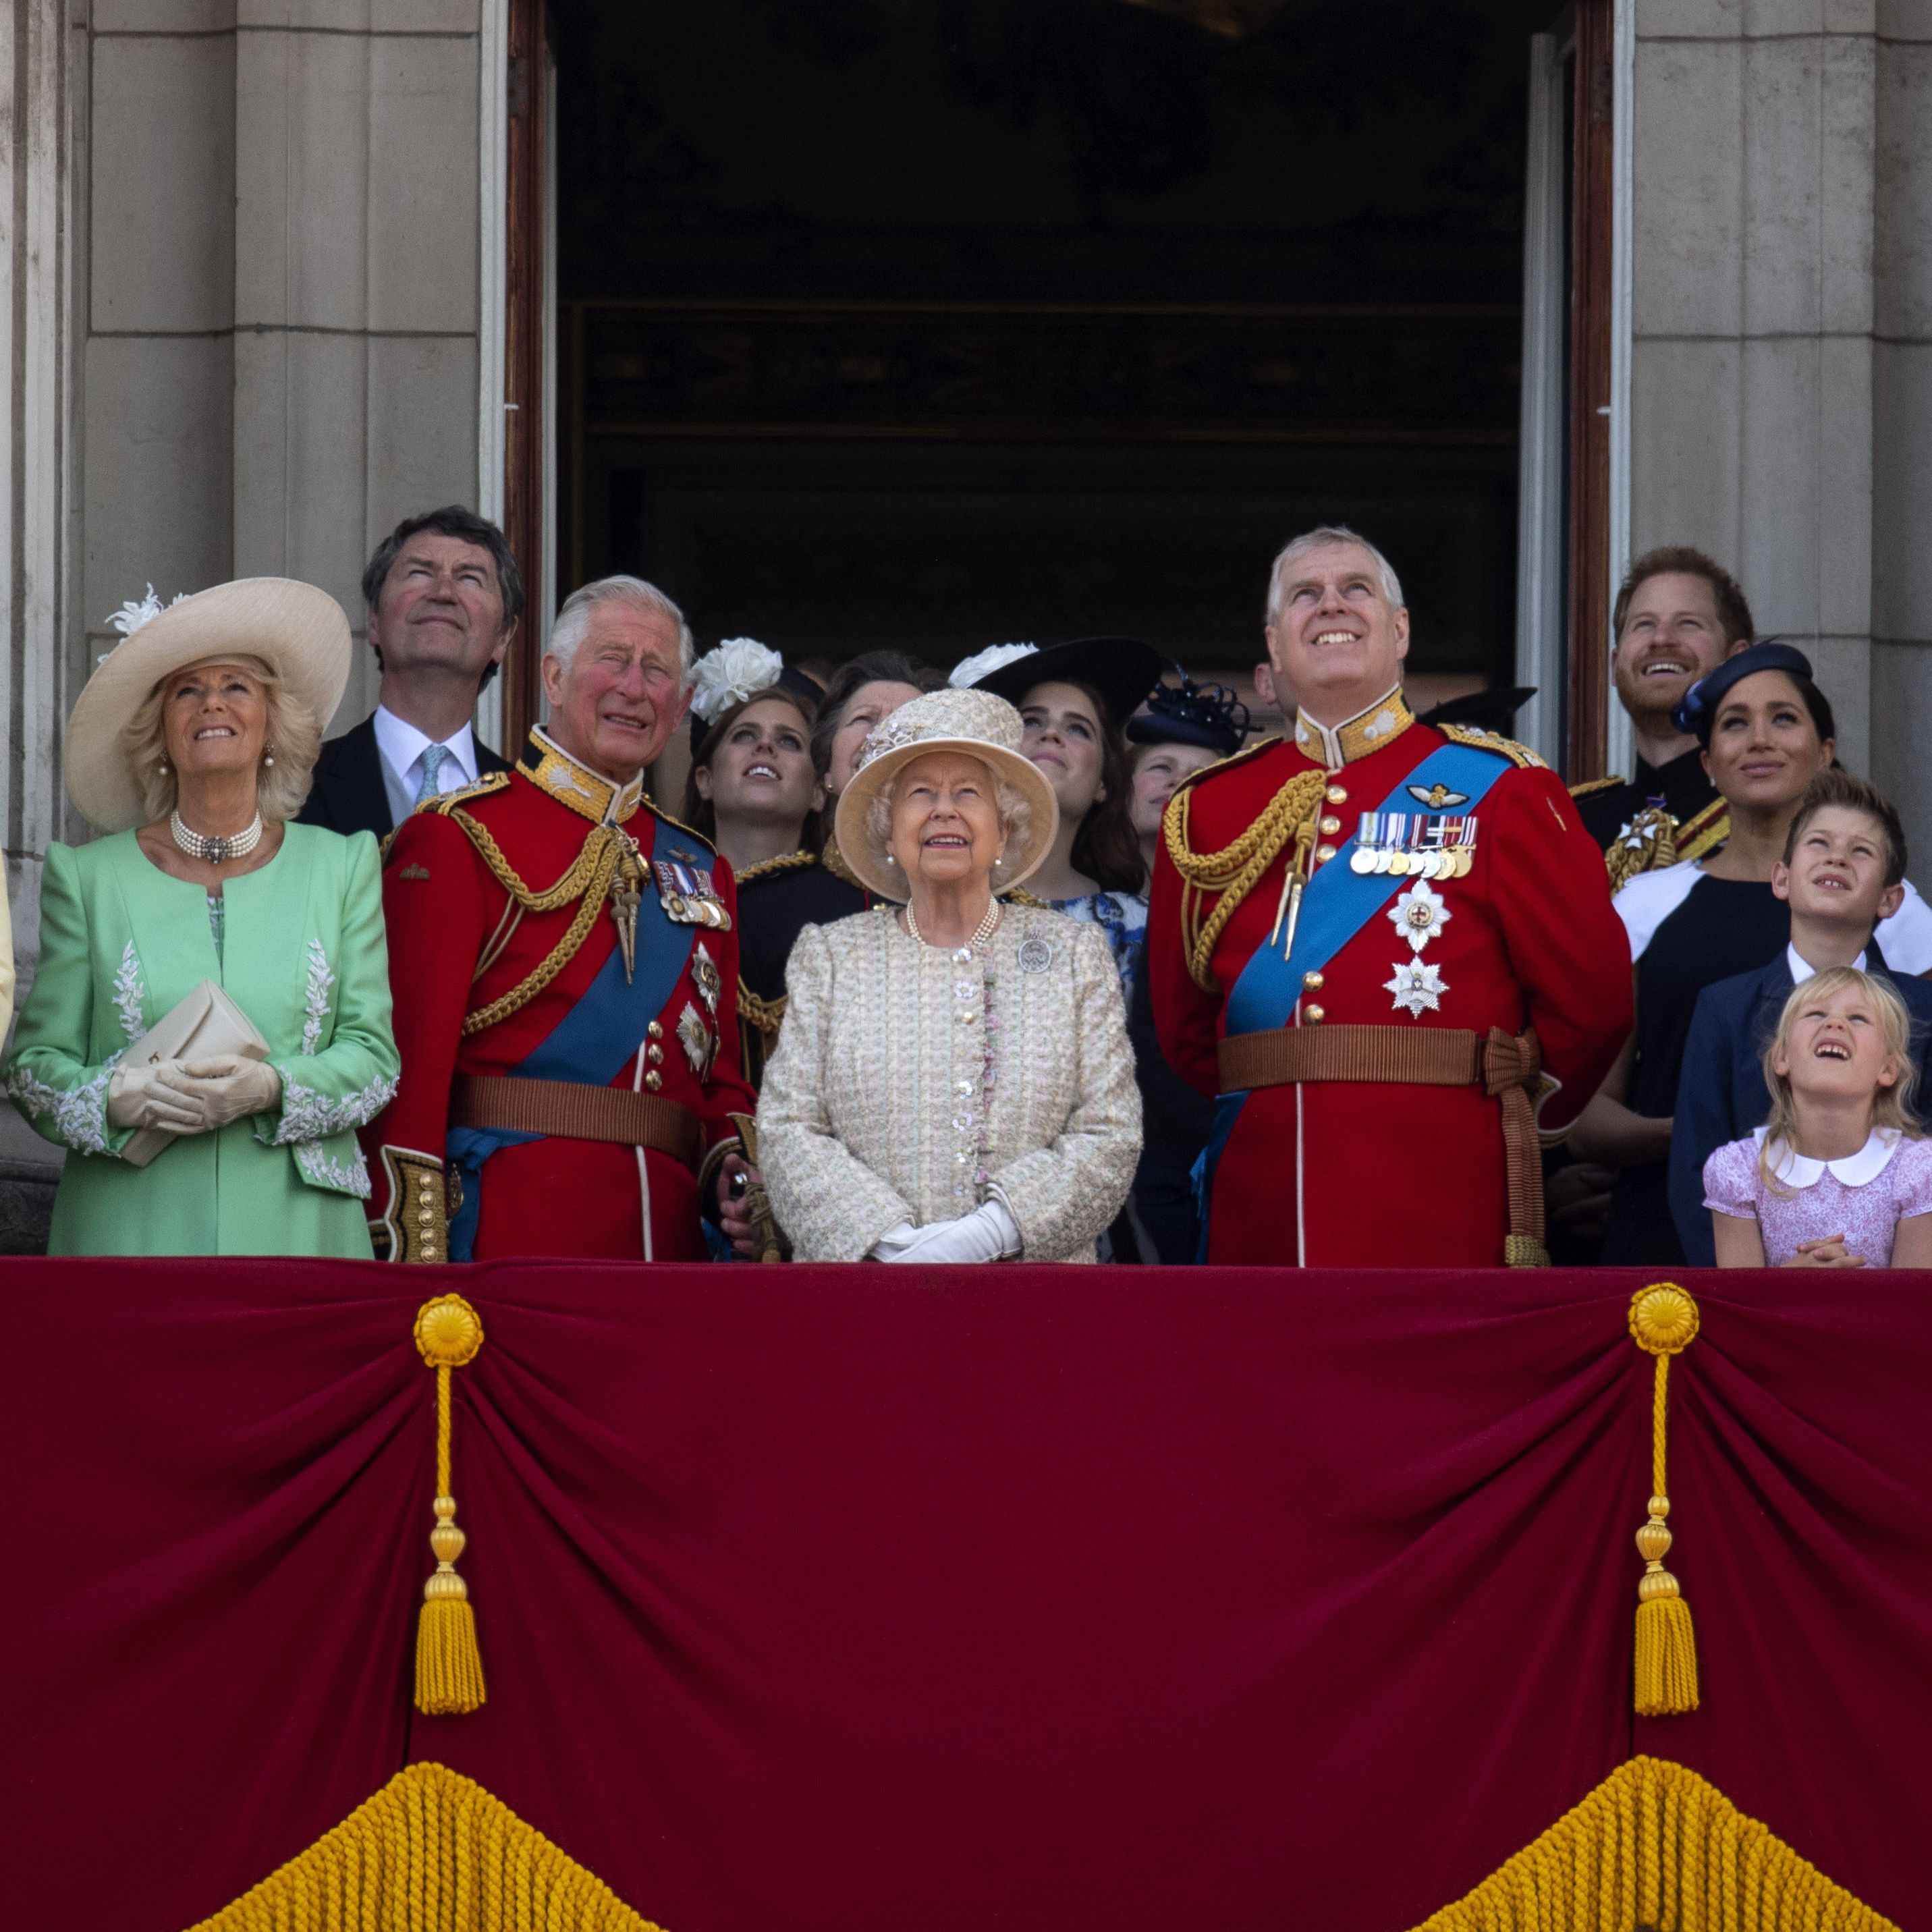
(206, 1022)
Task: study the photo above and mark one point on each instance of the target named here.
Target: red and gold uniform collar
(1370, 730)
(570, 781)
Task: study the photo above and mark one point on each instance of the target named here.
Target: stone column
(1752, 321)
(246, 333)
(1902, 429)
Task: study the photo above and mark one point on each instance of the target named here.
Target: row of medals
(1389, 853)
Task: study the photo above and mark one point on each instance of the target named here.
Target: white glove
(986, 1234)
(227, 1087)
(137, 1097)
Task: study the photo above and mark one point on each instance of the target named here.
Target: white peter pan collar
(1789, 1168)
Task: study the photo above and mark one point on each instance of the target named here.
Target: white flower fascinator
(731, 673)
(995, 657)
(132, 616)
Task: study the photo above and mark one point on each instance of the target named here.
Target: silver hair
(573, 621)
(1322, 537)
(1015, 808)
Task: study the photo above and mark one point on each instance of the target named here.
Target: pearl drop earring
(269, 756)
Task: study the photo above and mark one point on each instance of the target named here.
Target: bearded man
(1677, 615)
(1382, 946)
(564, 961)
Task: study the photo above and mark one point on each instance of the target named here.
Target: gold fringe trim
(431, 1852)
(764, 1016)
(1656, 1846)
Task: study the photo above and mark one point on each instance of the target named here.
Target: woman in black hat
(1184, 728)
(1766, 730)
(1074, 700)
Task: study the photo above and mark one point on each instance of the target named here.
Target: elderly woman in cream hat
(210, 1021)
(953, 1082)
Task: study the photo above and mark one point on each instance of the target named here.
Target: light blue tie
(434, 758)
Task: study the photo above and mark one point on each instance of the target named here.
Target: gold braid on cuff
(417, 1224)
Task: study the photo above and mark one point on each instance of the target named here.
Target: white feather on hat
(731, 673)
(995, 657)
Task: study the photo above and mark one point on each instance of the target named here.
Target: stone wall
(1781, 319)
(250, 272)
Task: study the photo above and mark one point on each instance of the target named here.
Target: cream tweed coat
(911, 1083)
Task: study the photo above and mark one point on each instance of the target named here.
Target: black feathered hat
(1123, 670)
(1210, 715)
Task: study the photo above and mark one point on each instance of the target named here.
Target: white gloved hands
(224, 1086)
(988, 1234)
(138, 1097)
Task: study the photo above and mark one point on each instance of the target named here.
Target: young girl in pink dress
(1840, 1176)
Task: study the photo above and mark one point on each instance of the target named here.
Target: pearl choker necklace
(216, 851)
(980, 937)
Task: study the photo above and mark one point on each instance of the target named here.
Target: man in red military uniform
(564, 959)
(1382, 946)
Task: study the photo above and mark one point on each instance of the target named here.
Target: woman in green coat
(193, 745)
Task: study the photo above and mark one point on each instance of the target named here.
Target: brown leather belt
(1508, 1067)
(572, 1111)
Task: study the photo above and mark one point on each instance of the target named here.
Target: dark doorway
(946, 323)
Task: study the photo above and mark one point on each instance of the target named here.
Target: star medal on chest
(706, 978)
(1419, 915)
(687, 894)
(1416, 844)
(695, 1039)
(626, 895)
(1418, 987)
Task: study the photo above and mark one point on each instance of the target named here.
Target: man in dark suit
(1843, 871)
(444, 594)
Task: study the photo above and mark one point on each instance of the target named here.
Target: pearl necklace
(216, 850)
(981, 935)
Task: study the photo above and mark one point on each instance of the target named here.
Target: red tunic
(1325, 1174)
(458, 941)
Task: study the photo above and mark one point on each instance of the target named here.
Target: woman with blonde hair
(1841, 1175)
(210, 1022)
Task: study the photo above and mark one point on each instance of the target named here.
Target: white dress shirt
(402, 746)
(1802, 969)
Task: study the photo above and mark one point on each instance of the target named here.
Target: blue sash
(1336, 905)
(593, 1043)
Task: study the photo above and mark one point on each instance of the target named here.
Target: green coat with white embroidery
(303, 955)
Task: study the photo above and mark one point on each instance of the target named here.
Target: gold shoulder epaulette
(447, 802)
(1591, 786)
(1492, 741)
(1227, 764)
(786, 862)
(651, 805)
(1020, 896)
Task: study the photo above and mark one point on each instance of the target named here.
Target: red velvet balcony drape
(1026, 1597)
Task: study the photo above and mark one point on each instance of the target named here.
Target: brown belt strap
(572, 1111)
(1507, 1067)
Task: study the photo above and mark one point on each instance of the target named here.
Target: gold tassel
(449, 1667)
(1663, 1323)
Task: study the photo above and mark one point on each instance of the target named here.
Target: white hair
(1325, 537)
(573, 621)
(1014, 807)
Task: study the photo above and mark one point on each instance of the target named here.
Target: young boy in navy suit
(1843, 871)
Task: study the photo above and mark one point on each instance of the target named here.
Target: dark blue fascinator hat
(1695, 709)
(1210, 715)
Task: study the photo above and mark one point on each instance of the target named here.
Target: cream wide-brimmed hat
(299, 631)
(975, 723)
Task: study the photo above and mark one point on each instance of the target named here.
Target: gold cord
(1234, 870)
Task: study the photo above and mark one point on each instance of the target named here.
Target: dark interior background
(939, 323)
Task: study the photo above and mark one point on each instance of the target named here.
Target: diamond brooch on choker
(217, 851)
